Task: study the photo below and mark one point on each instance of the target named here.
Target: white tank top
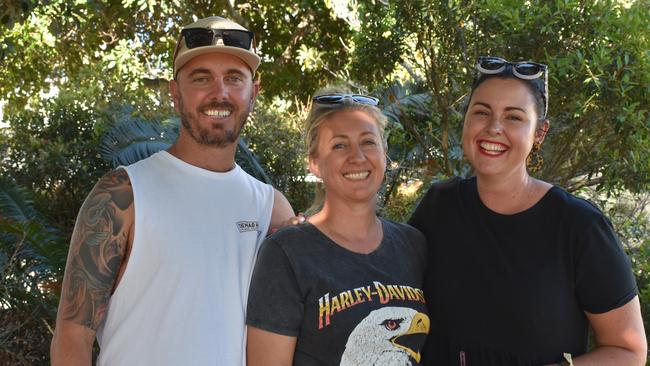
(182, 298)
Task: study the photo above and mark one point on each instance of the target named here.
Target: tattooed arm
(96, 259)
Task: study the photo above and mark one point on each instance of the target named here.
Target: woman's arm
(620, 337)
(269, 349)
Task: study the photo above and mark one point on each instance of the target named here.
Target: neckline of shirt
(529, 211)
(193, 169)
(331, 242)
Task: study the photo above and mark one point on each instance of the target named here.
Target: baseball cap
(218, 27)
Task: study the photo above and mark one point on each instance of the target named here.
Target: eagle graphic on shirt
(390, 336)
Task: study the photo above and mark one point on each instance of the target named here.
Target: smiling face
(214, 93)
(500, 127)
(350, 156)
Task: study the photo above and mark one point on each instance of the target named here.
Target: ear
(541, 131)
(313, 166)
(173, 90)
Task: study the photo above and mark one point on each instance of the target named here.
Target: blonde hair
(318, 113)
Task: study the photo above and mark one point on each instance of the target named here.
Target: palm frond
(132, 140)
(249, 162)
(15, 203)
(399, 98)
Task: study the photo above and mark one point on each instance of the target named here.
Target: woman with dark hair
(519, 269)
(343, 288)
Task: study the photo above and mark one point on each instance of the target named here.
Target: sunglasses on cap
(525, 70)
(341, 98)
(201, 37)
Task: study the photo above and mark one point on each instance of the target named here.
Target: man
(162, 251)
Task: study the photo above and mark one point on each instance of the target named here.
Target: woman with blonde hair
(344, 288)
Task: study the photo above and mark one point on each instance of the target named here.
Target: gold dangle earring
(535, 160)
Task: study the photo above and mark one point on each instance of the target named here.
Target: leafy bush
(31, 256)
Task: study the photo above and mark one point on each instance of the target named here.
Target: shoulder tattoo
(97, 249)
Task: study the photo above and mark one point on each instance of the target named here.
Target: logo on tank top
(245, 226)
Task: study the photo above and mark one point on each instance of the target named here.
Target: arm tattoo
(97, 249)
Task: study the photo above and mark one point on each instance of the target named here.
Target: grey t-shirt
(345, 308)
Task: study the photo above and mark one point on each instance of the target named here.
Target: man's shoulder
(250, 178)
(117, 177)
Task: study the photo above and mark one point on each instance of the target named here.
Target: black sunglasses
(201, 37)
(526, 70)
(340, 99)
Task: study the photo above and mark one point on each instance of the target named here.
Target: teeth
(356, 176)
(220, 113)
(497, 148)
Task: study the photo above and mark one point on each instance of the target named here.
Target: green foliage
(31, 254)
(303, 39)
(599, 73)
(402, 204)
(54, 153)
(68, 68)
(123, 50)
(15, 11)
(274, 134)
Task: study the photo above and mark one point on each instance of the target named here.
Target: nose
(356, 154)
(218, 90)
(495, 126)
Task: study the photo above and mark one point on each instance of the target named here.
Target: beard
(215, 135)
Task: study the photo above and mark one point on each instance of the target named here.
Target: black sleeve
(275, 302)
(604, 278)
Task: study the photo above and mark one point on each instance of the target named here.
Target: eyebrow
(507, 108)
(198, 71)
(346, 136)
(236, 71)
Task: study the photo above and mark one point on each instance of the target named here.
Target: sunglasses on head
(201, 37)
(340, 99)
(525, 70)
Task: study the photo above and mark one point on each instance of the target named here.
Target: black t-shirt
(513, 289)
(344, 308)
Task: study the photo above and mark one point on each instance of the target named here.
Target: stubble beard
(217, 137)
